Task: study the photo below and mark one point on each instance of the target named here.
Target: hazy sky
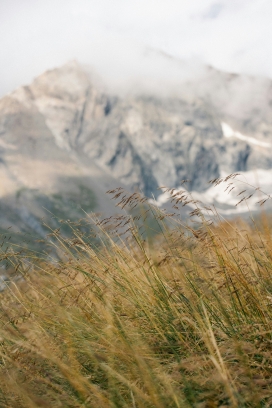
(233, 35)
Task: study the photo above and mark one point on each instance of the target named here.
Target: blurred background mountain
(68, 137)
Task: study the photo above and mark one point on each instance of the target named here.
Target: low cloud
(110, 35)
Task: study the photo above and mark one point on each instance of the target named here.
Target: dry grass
(180, 320)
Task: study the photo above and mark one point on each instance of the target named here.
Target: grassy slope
(179, 320)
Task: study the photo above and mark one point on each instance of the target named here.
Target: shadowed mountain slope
(69, 137)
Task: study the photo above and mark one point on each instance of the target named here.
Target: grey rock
(64, 126)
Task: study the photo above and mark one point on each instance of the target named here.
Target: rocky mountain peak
(67, 126)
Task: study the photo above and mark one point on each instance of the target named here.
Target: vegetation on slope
(182, 319)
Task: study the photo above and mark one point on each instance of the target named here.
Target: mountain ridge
(64, 126)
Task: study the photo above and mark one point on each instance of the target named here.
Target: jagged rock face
(64, 126)
(144, 142)
(147, 141)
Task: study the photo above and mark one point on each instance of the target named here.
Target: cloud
(214, 10)
(35, 35)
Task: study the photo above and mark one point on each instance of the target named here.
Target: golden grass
(180, 320)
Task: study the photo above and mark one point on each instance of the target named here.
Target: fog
(115, 39)
(140, 70)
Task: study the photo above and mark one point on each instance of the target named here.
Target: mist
(115, 39)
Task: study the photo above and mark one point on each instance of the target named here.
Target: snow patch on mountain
(255, 185)
(229, 132)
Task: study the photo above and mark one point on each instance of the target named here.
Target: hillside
(180, 321)
(66, 138)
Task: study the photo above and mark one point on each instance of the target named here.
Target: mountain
(66, 138)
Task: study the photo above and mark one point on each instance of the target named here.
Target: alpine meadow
(136, 204)
(141, 310)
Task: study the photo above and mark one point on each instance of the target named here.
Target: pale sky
(35, 35)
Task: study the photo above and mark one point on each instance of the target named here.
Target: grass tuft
(127, 318)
